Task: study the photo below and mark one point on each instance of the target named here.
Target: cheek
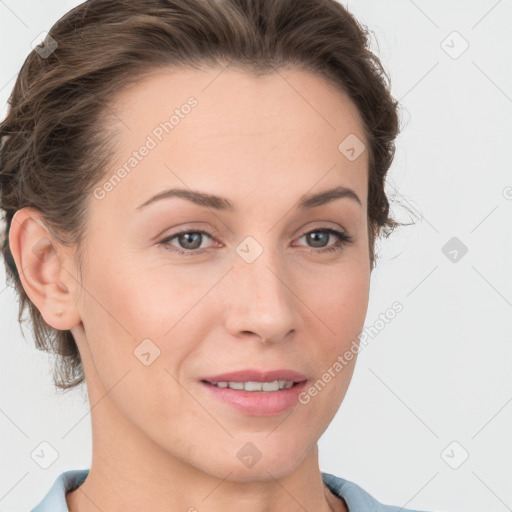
(125, 313)
(139, 301)
(339, 298)
(126, 317)
(339, 305)
(341, 313)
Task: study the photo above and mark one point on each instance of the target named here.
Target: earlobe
(41, 269)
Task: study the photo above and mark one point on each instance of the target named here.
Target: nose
(260, 302)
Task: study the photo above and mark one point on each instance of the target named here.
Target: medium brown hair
(54, 148)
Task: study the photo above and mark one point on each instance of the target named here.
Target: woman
(193, 190)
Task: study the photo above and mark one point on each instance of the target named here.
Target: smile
(275, 385)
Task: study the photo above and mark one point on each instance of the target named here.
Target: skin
(160, 442)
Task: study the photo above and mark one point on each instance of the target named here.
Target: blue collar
(355, 498)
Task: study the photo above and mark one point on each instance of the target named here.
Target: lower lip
(258, 403)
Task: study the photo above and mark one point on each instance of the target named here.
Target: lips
(253, 392)
(254, 375)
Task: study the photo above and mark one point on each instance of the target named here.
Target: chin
(261, 471)
(258, 457)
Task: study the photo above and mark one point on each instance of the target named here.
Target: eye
(320, 241)
(190, 241)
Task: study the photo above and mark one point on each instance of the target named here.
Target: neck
(130, 473)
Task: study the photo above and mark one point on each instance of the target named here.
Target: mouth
(275, 385)
(257, 393)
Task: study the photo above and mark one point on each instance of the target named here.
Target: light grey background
(440, 372)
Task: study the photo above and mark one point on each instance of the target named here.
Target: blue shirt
(356, 498)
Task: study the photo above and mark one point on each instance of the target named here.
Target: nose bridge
(260, 298)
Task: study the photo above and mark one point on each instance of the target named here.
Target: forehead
(226, 96)
(217, 126)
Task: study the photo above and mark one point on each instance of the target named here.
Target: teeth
(258, 386)
(275, 385)
(270, 386)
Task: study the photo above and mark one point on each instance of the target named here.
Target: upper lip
(254, 375)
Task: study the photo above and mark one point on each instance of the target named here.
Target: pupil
(318, 235)
(186, 236)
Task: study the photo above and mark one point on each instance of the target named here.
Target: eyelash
(343, 240)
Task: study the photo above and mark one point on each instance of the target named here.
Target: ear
(45, 268)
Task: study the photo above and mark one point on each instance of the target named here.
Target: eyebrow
(307, 201)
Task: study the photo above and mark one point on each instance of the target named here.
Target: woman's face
(265, 288)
